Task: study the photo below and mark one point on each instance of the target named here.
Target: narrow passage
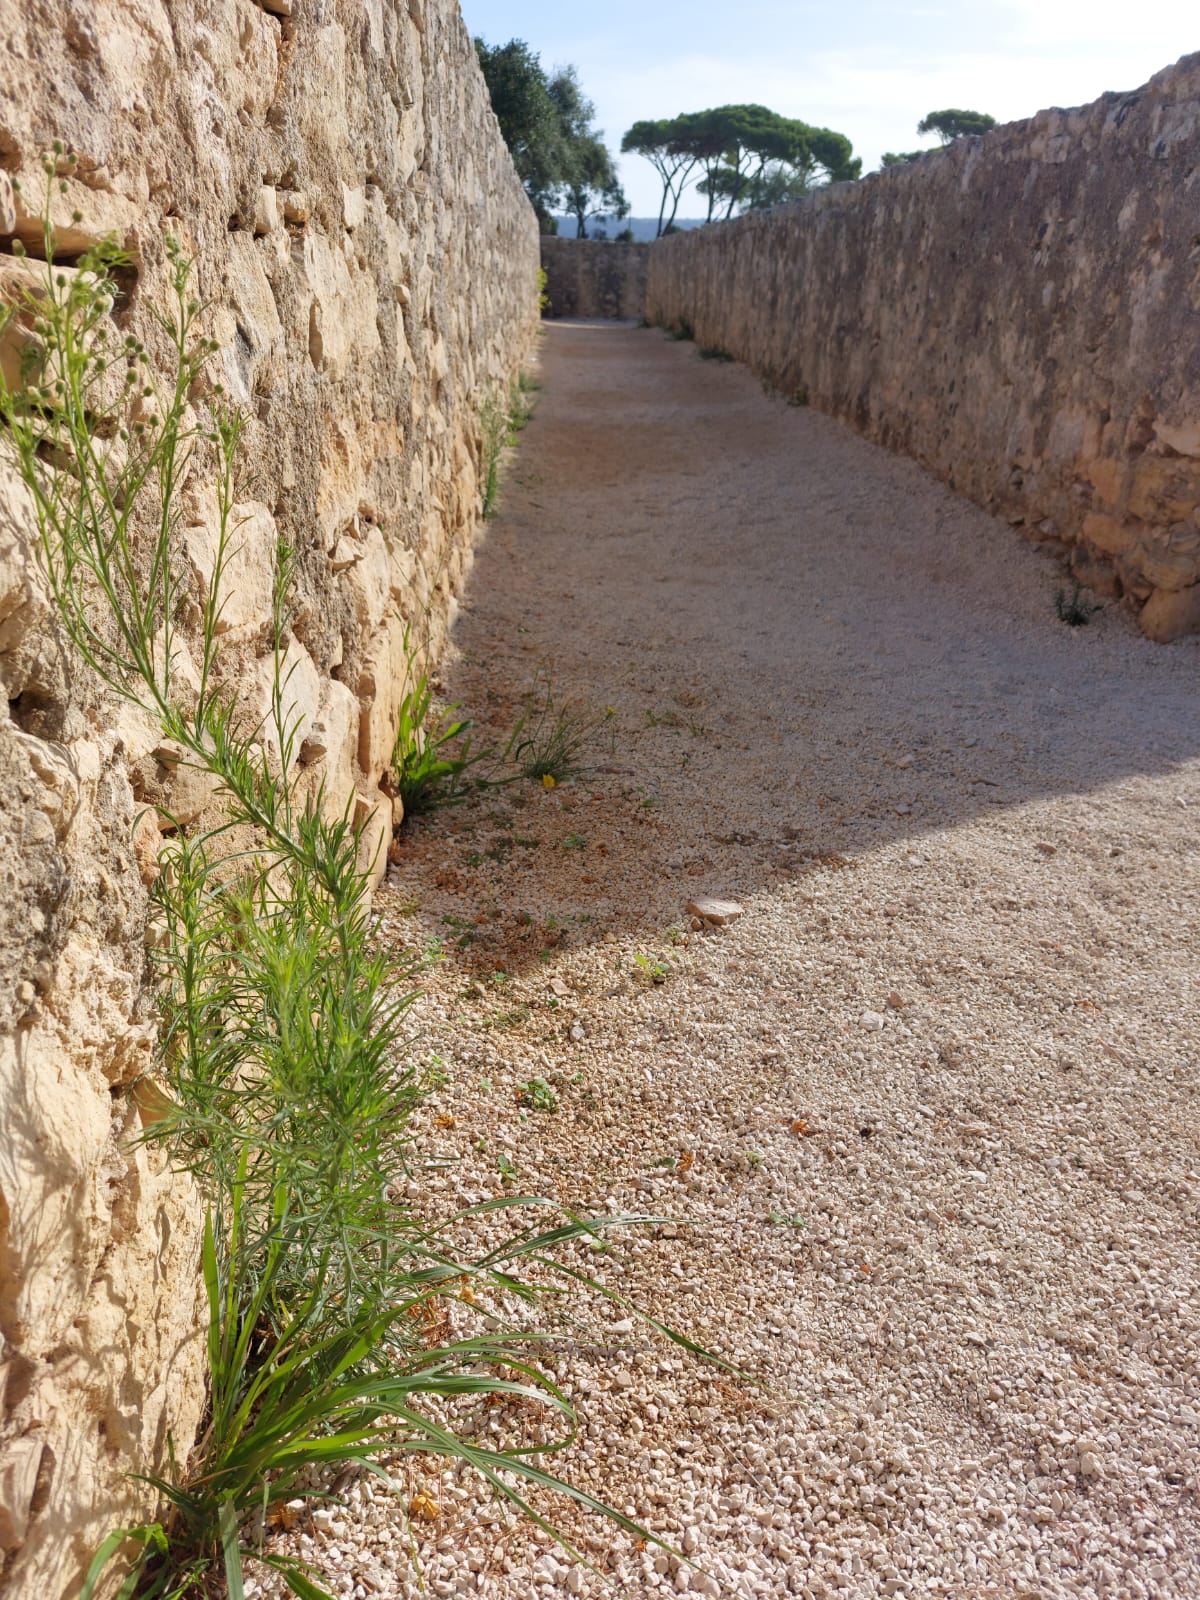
(930, 1105)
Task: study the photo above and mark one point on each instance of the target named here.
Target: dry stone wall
(1020, 312)
(595, 278)
(334, 169)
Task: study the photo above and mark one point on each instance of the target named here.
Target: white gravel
(930, 1104)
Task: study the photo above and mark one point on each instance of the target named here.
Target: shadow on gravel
(813, 651)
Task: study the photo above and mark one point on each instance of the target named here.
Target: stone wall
(1020, 312)
(595, 278)
(334, 168)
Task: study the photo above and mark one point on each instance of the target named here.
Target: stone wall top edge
(1177, 83)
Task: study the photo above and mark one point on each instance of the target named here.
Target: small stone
(873, 1021)
(315, 744)
(1047, 849)
(904, 811)
(345, 554)
(169, 754)
(578, 1032)
(266, 212)
(716, 912)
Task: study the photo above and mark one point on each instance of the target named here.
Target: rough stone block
(248, 573)
(1171, 614)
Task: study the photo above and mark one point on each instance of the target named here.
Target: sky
(868, 68)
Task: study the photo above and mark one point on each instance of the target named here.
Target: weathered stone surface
(595, 278)
(370, 265)
(1020, 313)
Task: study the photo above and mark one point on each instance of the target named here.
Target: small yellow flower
(549, 781)
(424, 1508)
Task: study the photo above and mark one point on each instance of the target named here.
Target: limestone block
(342, 309)
(300, 700)
(1170, 614)
(180, 791)
(354, 207)
(334, 733)
(368, 581)
(374, 817)
(1164, 489)
(1170, 560)
(1182, 437)
(58, 791)
(1108, 533)
(380, 685)
(248, 572)
(19, 1465)
(267, 218)
(248, 329)
(81, 216)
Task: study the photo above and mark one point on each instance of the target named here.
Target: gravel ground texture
(927, 1111)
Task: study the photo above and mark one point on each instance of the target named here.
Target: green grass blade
(227, 1522)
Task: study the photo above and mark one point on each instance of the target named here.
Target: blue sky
(869, 68)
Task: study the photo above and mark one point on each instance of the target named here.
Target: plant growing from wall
(502, 417)
(286, 1094)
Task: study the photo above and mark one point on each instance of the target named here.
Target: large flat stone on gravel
(718, 912)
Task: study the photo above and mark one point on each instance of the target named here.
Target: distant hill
(644, 228)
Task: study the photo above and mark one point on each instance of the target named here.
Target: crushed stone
(923, 1121)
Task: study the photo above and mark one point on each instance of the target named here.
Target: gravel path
(930, 1105)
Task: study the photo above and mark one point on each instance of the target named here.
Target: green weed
(431, 753)
(656, 971)
(1072, 609)
(502, 417)
(493, 428)
(780, 1220)
(713, 352)
(537, 1095)
(550, 739)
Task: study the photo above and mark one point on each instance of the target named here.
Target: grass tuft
(1072, 609)
(431, 753)
(551, 739)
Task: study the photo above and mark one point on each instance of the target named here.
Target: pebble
(719, 913)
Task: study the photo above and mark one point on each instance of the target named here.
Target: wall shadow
(813, 651)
